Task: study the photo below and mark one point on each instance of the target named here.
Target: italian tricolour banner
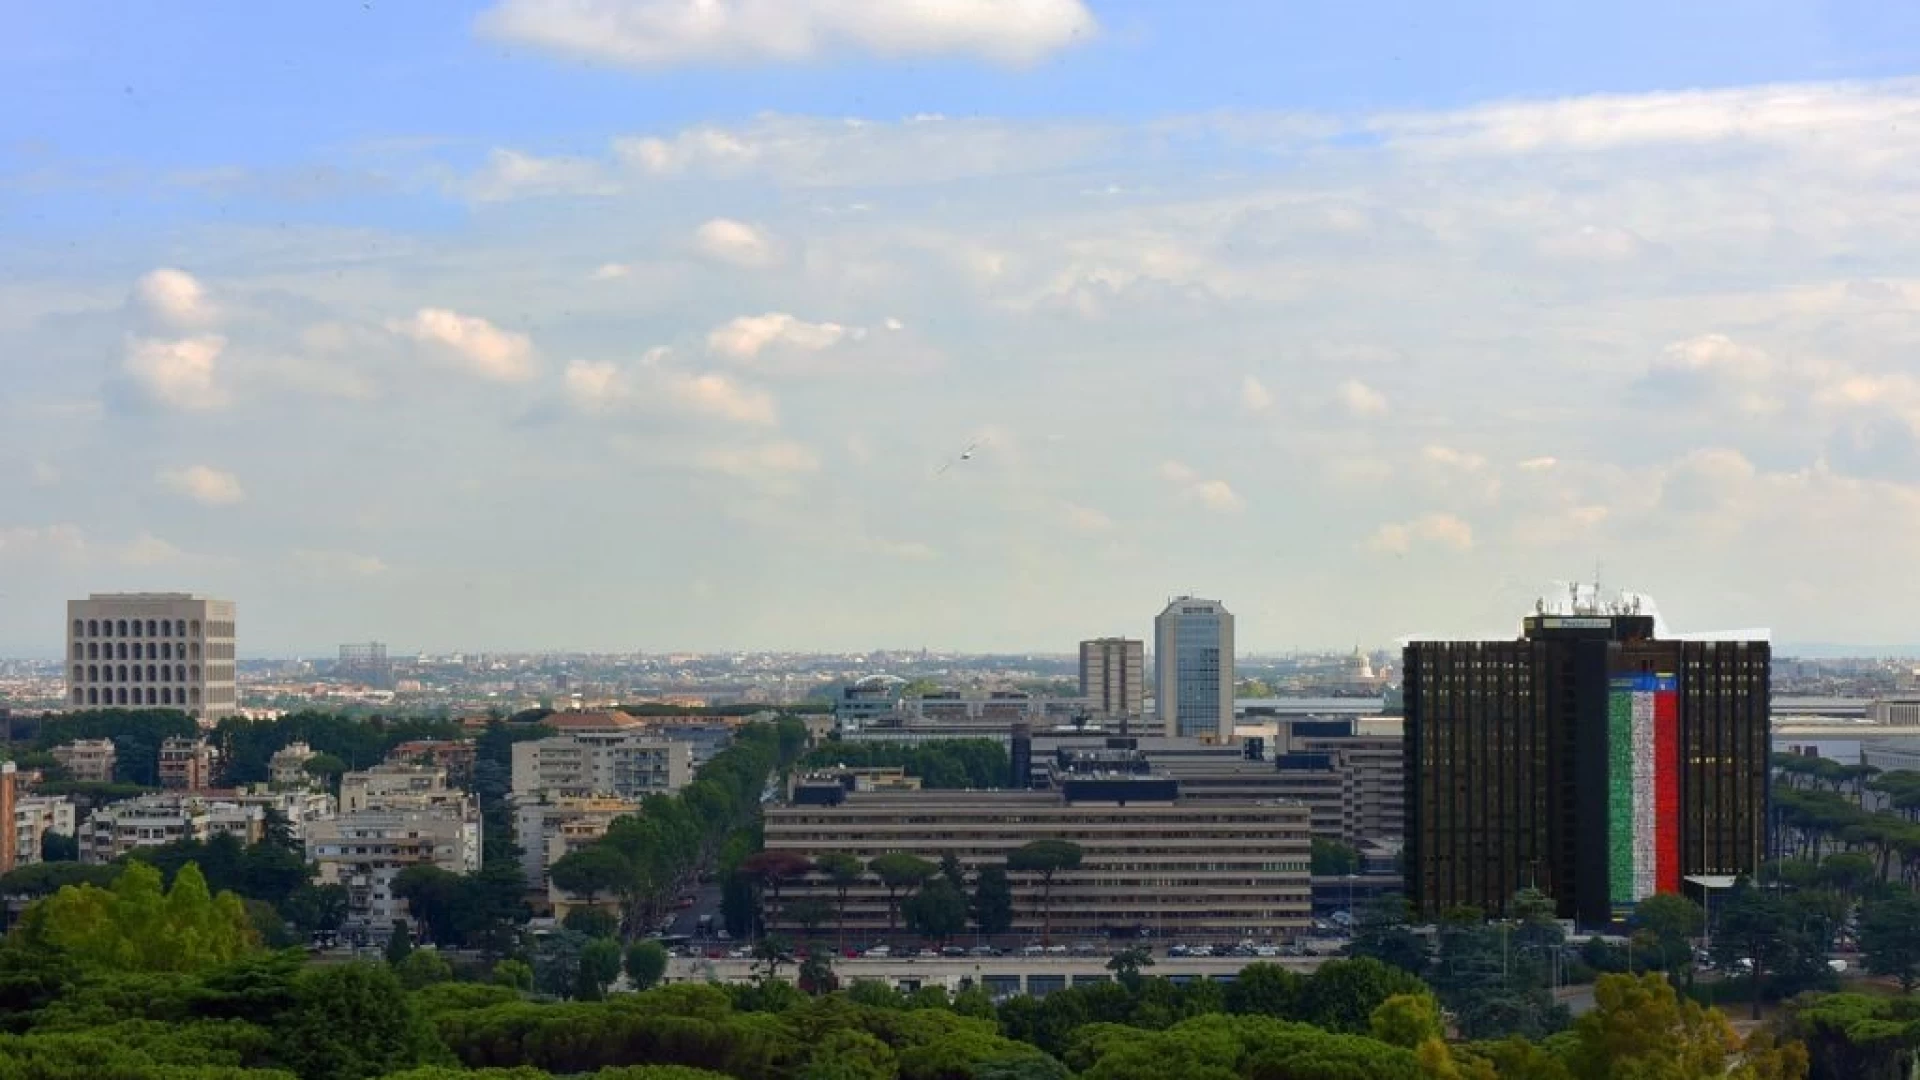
(1643, 788)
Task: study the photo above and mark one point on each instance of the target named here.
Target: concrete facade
(152, 650)
(621, 764)
(1113, 675)
(87, 761)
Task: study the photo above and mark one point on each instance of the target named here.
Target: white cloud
(669, 33)
(1438, 530)
(1213, 494)
(735, 243)
(1538, 464)
(717, 395)
(62, 541)
(1359, 399)
(174, 299)
(772, 462)
(611, 271)
(204, 484)
(1084, 518)
(178, 373)
(595, 385)
(745, 337)
(328, 563)
(475, 344)
(510, 174)
(1254, 395)
(146, 549)
(1448, 457)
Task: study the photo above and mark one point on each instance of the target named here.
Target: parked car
(878, 952)
(953, 950)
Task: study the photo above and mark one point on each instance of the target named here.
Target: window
(122, 677)
(196, 627)
(194, 673)
(93, 627)
(121, 696)
(93, 650)
(180, 672)
(150, 629)
(179, 628)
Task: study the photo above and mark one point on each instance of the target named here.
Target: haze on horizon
(535, 324)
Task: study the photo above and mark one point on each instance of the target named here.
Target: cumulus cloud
(62, 541)
(1213, 494)
(747, 336)
(1254, 395)
(471, 343)
(1359, 399)
(655, 34)
(1712, 369)
(1437, 530)
(178, 373)
(511, 174)
(716, 395)
(735, 243)
(611, 272)
(204, 484)
(174, 299)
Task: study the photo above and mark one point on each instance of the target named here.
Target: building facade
(547, 831)
(288, 766)
(186, 764)
(624, 764)
(1193, 669)
(168, 650)
(34, 816)
(365, 851)
(1355, 784)
(88, 761)
(397, 787)
(153, 820)
(1154, 863)
(1588, 759)
(1113, 675)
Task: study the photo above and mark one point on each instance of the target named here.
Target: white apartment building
(153, 820)
(622, 764)
(171, 650)
(300, 808)
(87, 761)
(33, 818)
(1112, 675)
(288, 766)
(364, 852)
(547, 831)
(397, 787)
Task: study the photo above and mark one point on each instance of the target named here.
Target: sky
(664, 324)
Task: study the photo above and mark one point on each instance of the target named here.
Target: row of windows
(94, 628)
(136, 673)
(164, 695)
(117, 650)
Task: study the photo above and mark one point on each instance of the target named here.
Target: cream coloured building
(161, 650)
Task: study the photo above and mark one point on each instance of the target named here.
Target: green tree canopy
(135, 925)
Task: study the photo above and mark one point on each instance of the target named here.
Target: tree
(591, 871)
(599, 966)
(1750, 926)
(58, 847)
(1407, 1020)
(399, 943)
(992, 906)
(1045, 858)
(325, 768)
(809, 914)
(1381, 932)
(1640, 1027)
(843, 872)
(133, 925)
(898, 870)
(1890, 935)
(772, 952)
(1331, 858)
(1264, 990)
(517, 974)
(953, 872)
(592, 922)
(317, 909)
(352, 1021)
(1342, 994)
(816, 975)
(422, 968)
(938, 911)
(771, 870)
(646, 963)
(1673, 922)
(1126, 965)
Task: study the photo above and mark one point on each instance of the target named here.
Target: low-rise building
(1154, 862)
(1354, 782)
(186, 764)
(288, 766)
(153, 820)
(34, 816)
(87, 761)
(363, 852)
(299, 809)
(454, 758)
(397, 787)
(584, 763)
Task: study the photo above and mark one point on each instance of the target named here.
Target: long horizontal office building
(1155, 862)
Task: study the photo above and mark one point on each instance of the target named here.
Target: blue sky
(494, 324)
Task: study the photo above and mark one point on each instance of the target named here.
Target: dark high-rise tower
(1588, 759)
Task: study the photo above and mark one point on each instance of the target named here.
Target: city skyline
(473, 327)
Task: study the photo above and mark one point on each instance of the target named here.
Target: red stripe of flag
(1666, 791)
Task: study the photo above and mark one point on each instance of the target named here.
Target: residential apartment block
(364, 851)
(547, 831)
(153, 820)
(1113, 676)
(623, 764)
(186, 764)
(87, 761)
